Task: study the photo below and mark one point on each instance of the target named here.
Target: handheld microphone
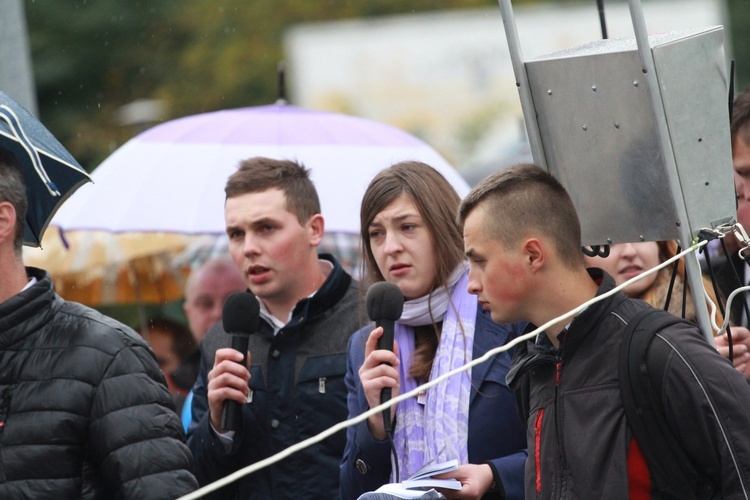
(240, 318)
(385, 303)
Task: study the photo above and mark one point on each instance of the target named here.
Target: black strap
(672, 473)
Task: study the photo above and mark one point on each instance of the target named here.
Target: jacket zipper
(4, 410)
(561, 463)
(538, 449)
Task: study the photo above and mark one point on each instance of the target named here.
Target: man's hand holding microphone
(229, 377)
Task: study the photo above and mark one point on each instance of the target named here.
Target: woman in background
(627, 260)
(410, 238)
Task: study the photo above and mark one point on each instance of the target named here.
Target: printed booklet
(420, 485)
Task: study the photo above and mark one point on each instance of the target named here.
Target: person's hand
(740, 347)
(475, 481)
(375, 374)
(226, 381)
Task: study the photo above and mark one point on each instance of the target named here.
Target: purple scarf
(433, 427)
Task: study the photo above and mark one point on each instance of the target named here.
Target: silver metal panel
(600, 139)
(693, 83)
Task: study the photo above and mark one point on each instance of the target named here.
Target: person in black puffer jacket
(84, 410)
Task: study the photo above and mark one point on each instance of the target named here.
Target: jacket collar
(29, 310)
(588, 321)
(328, 295)
(533, 353)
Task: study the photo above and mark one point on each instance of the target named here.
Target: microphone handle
(231, 419)
(386, 342)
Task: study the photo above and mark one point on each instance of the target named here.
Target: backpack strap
(672, 473)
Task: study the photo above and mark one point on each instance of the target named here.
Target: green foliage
(91, 57)
(738, 11)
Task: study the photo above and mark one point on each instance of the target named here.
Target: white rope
(723, 329)
(378, 409)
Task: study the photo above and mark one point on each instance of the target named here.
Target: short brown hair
(526, 197)
(741, 116)
(13, 190)
(436, 201)
(260, 174)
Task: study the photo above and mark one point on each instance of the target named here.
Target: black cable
(394, 458)
(596, 251)
(722, 309)
(602, 20)
(737, 277)
(671, 282)
(711, 275)
(731, 90)
(730, 340)
(684, 295)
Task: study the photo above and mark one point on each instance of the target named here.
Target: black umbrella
(51, 173)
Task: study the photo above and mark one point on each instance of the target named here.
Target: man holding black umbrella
(84, 412)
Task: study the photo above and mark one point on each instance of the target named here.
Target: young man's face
(743, 205)
(497, 275)
(741, 162)
(269, 245)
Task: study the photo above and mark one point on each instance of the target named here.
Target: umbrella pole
(142, 319)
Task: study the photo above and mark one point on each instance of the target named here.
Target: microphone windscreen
(241, 313)
(384, 301)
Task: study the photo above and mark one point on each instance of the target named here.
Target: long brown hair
(437, 202)
(657, 292)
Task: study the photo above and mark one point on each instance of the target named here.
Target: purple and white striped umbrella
(171, 178)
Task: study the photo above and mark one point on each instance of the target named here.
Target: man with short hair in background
(206, 290)
(724, 270)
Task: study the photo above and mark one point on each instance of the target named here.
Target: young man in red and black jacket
(521, 229)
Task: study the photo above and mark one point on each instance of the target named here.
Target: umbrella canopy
(50, 172)
(171, 178)
(100, 268)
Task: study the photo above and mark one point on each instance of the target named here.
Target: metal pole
(16, 76)
(602, 19)
(522, 82)
(142, 317)
(692, 266)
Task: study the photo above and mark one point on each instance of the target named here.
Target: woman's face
(402, 247)
(627, 260)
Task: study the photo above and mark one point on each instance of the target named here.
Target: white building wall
(446, 76)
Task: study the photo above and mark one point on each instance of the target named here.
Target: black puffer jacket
(84, 412)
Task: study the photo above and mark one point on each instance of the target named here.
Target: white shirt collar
(32, 282)
(326, 267)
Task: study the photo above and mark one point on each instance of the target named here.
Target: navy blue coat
(496, 434)
(297, 379)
